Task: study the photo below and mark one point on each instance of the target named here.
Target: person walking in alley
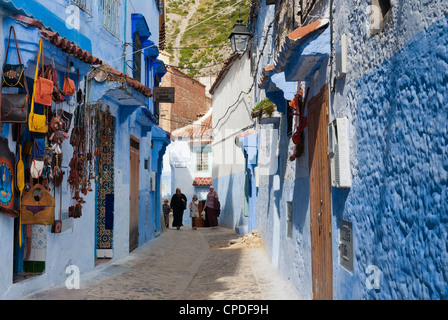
(166, 212)
(178, 205)
(212, 207)
(194, 211)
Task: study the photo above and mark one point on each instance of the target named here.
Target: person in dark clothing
(212, 208)
(178, 205)
(166, 212)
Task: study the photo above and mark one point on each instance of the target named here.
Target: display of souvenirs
(58, 135)
(43, 132)
(40, 142)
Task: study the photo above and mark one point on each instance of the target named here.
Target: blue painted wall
(398, 203)
(230, 191)
(398, 200)
(250, 146)
(394, 95)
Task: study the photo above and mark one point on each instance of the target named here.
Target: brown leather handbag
(14, 107)
(13, 75)
(37, 206)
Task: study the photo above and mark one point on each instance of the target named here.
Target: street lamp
(239, 37)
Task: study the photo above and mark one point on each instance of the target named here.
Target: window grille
(202, 161)
(84, 5)
(111, 16)
(137, 57)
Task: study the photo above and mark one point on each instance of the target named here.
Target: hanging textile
(105, 151)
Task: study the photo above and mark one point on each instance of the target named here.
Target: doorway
(134, 192)
(320, 197)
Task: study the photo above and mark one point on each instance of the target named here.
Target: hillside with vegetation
(198, 31)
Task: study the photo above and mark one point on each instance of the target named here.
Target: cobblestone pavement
(185, 264)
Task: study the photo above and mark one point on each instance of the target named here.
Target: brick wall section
(190, 100)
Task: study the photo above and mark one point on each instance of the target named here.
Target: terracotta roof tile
(295, 39)
(111, 74)
(305, 30)
(265, 75)
(201, 129)
(202, 182)
(60, 42)
(70, 48)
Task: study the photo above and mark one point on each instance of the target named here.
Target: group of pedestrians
(178, 205)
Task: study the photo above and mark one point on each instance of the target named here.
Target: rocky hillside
(200, 48)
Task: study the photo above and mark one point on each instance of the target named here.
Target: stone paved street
(205, 264)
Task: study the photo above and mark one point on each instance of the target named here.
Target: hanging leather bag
(37, 206)
(58, 95)
(43, 87)
(43, 91)
(14, 107)
(36, 168)
(13, 74)
(69, 84)
(66, 118)
(38, 148)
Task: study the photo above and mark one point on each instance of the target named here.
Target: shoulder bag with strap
(42, 94)
(14, 107)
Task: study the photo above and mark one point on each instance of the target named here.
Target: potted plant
(265, 106)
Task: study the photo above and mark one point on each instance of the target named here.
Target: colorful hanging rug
(105, 151)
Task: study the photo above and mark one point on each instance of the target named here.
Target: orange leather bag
(69, 87)
(43, 94)
(69, 84)
(43, 88)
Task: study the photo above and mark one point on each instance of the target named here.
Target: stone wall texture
(395, 95)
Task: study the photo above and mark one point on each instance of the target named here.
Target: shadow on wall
(226, 217)
(301, 202)
(339, 197)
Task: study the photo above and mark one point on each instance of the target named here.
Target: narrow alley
(185, 264)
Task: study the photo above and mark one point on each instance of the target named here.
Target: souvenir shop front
(47, 152)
